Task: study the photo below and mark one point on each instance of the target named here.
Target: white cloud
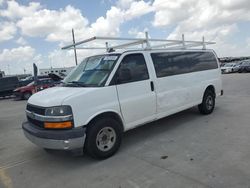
(21, 41)
(136, 33)
(59, 58)
(1, 2)
(109, 25)
(15, 10)
(56, 25)
(7, 31)
(203, 13)
(137, 9)
(53, 25)
(17, 59)
(124, 4)
(216, 20)
(170, 12)
(23, 53)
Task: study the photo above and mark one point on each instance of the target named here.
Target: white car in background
(230, 67)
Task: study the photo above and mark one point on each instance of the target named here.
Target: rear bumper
(55, 139)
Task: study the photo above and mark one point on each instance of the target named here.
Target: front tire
(208, 103)
(103, 138)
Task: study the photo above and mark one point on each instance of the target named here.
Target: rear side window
(133, 68)
(172, 63)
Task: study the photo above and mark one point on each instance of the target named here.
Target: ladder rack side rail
(127, 44)
(186, 46)
(164, 45)
(78, 43)
(88, 48)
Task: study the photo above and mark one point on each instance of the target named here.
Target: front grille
(36, 109)
(35, 122)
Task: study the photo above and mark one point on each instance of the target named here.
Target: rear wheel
(103, 138)
(208, 102)
(26, 95)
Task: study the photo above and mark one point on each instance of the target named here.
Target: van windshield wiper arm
(75, 83)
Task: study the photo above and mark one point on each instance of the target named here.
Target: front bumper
(68, 139)
(224, 71)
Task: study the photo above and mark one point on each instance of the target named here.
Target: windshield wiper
(75, 83)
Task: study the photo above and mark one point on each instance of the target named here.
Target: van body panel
(56, 95)
(137, 103)
(179, 92)
(90, 102)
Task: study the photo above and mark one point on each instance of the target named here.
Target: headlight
(58, 111)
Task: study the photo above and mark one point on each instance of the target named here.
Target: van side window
(173, 63)
(133, 68)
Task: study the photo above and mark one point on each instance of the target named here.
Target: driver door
(136, 95)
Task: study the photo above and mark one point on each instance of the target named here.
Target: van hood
(55, 96)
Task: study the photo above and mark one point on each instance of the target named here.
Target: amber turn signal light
(58, 125)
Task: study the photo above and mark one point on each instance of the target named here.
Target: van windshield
(92, 71)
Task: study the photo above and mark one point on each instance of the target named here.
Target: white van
(111, 93)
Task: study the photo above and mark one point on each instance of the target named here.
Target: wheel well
(105, 115)
(211, 88)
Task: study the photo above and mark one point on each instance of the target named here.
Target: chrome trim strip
(42, 118)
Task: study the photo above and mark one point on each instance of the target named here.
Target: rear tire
(103, 138)
(208, 103)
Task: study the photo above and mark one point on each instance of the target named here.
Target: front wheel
(208, 103)
(103, 138)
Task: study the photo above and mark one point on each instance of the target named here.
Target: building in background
(59, 71)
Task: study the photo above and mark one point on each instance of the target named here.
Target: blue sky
(34, 31)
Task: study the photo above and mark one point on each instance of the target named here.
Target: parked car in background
(7, 85)
(29, 79)
(244, 67)
(230, 67)
(26, 91)
(222, 64)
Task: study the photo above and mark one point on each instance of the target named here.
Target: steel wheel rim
(106, 139)
(209, 102)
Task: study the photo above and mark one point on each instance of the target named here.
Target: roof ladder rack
(137, 43)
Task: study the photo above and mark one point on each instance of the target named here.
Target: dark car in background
(29, 79)
(7, 85)
(26, 91)
(244, 67)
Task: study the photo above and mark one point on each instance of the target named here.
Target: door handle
(152, 86)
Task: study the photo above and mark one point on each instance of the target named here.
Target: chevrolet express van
(111, 93)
